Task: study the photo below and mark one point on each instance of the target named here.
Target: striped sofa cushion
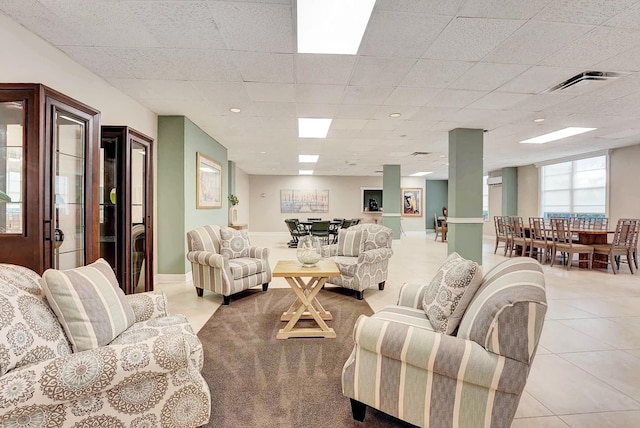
(89, 304)
(244, 266)
(350, 242)
(511, 300)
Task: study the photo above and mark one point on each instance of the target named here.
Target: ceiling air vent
(420, 153)
(584, 78)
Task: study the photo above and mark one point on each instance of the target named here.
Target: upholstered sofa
(471, 378)
(149, 376)
(223, 261)
(362, 255)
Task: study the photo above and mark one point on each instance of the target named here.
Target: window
(575, 188)
(485, 198)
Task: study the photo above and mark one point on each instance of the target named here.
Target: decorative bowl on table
(309, 252)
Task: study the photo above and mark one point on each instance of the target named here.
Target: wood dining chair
(501, 233)
(441, 227)
(622, 245)
(563, 242)
(519, 237)
(539, 241)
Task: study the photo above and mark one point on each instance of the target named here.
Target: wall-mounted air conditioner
(494, 181)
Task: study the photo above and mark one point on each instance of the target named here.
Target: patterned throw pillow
(234, 243)
(29, 330)
(89, 304)
(450, 292)
(350, 242)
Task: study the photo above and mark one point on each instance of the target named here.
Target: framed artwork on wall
(208, 183)
(304, 201)
(411, 202)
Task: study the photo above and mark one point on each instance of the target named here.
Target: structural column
(391, 198)
(232, 177)
(510, 191)
(464, 219)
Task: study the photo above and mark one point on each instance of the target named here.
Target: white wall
(528, 192)
(624, 196)
(244, 196)
(344, 199)
(495, 208)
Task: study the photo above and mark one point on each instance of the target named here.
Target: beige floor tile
(604, 420)
(616, 368)
(566, 389)
(543, 422)
(616, 332)
(542, 350)
(563, 310)
(558, 337)
(529, 407)
(610, 307)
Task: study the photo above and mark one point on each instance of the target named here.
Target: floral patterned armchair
(148, 376)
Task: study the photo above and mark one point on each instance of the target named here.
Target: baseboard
(173, 277)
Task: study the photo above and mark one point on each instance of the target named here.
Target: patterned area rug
(257, 380)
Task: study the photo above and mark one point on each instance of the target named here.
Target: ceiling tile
(397, 34)
(264, 67)
(157, 89)
(434, 73)
(455, 98)
(540, 102)
(381, 125)
(266, 109)
(406, 111)
(498, 100)
(365, 95)
(538, 79)
(372, 71)
(628, 18)
(244, 26)
(536, 40)
(324, 69)
(433, 114)
(347, 111)
(42, 21)
(316, 110)
(626, 61)
(470, 39)
(321, 94)
(271, 92)
(512, 9)
(203, 64)
(593, 12)
(99, 61)
(348, 123)
(433, 7)
(486, 76)
(229, 94)
(402, 96)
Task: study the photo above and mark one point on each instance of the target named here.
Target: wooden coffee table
(306, 306)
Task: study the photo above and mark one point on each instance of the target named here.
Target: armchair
(474, 378)
(362, 255)
(226, 264)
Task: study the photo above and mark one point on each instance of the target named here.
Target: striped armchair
(222, 274)
(400, 366)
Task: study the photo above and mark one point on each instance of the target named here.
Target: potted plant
(233, 211)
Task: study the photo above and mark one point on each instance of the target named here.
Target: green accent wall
(510, 191)
(179, 141)
(391, 198)
(232, 177)
(465, 192)
(436, 198)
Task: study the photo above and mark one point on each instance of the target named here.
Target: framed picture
(208, 183)
(304, 201)
(412, 202)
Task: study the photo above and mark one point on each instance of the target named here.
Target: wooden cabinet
(126, 206)
(48, 178)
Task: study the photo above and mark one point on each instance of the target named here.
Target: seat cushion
(234, 243)
(29, 330)
(405, 315)
(450, 292)
(89, 304)
(245, 266)
(350, 242)
(346, 265)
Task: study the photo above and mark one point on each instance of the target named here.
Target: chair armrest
(51, 382)
(206, 258)
(259, 253)
(411, 295)
(441, 354)
(376, 255)
(329, 250)
(149, 305)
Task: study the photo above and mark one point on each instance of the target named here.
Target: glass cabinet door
(138, 215)
(11, 167)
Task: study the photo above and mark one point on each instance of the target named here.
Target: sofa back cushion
(29, 330)
(375, 235)
(234, 243)
(450, 291)
(206, 238)
(350, 242)
(89, 304)
(507, 313)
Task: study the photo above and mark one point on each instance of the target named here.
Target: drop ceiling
(441, 64)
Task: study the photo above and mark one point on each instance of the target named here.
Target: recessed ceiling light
(395, 115)
(313, 128)
(308, 158)
(420, 174)
(262, 153)
(443, 156)
(538, 119)
(557, 135)
(305, 172)
(235, 110)
(332, 26)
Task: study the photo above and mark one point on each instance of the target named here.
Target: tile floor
(587, 370)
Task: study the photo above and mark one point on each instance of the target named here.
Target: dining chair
(441, 228)
(563, 242)
(313, 219)
(598, 223)
(519, 237)
(346, 223)
(501, 234)
(622, 245)
(538, 233)
(321, 230)
(334, 227)
(296, 230)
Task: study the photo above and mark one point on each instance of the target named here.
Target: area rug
(257, 380)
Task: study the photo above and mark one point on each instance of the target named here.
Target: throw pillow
(89, 304)
(234, 243)
(350, 242)
(450, 292)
